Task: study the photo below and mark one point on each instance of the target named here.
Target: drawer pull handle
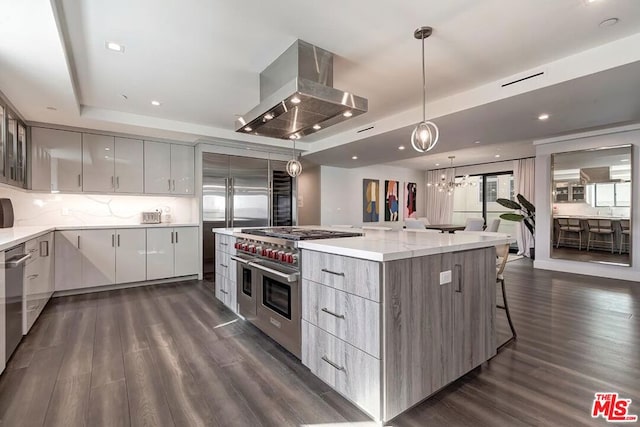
(324, 270)
(339, 316)
(224, 265)
(223, 244)
(335, 365)
(33, 276)
(224, 292)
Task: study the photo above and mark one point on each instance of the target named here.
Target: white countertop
(611, 218)
(398, 244)
(10, 237)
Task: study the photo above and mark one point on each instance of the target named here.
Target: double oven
(269, 297)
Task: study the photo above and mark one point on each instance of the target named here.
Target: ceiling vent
(297, 96)
(522, 79)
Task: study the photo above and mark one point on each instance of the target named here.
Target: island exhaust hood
(297, 96)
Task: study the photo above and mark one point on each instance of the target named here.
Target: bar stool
(625, 232)
(600, 227)
(502, 253)
(570, 225)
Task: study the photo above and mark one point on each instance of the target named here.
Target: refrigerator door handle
(231, 207)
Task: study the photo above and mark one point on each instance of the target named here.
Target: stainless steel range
(269, 294)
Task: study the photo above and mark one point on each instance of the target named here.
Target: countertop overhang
(392, 245)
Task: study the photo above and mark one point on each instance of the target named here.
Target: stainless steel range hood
(297, 96)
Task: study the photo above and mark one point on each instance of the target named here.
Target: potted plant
(527, 215)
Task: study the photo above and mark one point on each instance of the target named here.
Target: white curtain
(439, 206)
(524, 182)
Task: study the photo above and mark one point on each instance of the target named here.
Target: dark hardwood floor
(173, 355)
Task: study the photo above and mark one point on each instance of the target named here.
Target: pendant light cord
(424, 86)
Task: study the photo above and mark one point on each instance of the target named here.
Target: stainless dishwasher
(14, 281)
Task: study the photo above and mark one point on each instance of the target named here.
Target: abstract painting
(409, 200)
(370, 207)
(391, 202)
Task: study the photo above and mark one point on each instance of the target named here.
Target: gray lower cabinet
(226, 271)
(388, 356)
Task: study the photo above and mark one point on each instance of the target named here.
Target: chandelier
(443, 185)
(294, 167)
(425, 135)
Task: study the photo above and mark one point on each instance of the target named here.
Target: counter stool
(600, 227)
(625, 232)
(570, 225)
(502, 253)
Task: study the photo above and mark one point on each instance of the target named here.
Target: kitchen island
(391, 317)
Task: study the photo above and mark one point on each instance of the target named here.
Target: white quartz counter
(392, 245)
(10, 237)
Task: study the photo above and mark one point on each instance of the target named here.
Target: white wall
(34, 208)
(341, 193)
(544, 205)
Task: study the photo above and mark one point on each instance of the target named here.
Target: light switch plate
(445, 277)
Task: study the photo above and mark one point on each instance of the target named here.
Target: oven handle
(293, 277)
(242, 260)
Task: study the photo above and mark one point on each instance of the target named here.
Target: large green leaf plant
(527, 212)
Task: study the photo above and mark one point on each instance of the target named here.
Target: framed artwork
(409, 198)
(370, 205)
(391, 203)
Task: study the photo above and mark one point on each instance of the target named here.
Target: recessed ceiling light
(317, 127)
(294, 136)
(437, 164)
(543, 116)
(116, 47)
(155, 103)
(248, 129)
(347, 113)
(268, 116)
(497, 156)
(401, 147)
(476, 142)
(107, 149)
(295, 100)
(52, 108)
(354, 157)
(609, 22)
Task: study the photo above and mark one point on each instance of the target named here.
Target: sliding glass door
(479, 200)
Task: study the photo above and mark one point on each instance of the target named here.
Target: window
(492, 188)
(613, 194)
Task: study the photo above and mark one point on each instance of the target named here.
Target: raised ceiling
(201, 59)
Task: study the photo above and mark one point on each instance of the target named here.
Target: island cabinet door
(474, 308)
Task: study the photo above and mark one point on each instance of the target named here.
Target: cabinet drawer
(31, 247)
(225, 243)
(351, 318)
(351, 372)
(226, 292)
(356, 276)
(226, 266)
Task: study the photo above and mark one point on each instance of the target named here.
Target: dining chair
(625, 233)
(600, 227)
(424, 220)
(502, 253)
(414, 223)
(474, 224)
(493, 227)
(570, 225)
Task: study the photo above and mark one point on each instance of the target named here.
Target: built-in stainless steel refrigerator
(243, 192)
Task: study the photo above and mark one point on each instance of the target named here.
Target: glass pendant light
(425, 135)
(294, 167)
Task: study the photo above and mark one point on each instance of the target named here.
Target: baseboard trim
(122, 286)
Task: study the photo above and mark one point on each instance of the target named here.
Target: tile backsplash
(585, 209)
(32, 208)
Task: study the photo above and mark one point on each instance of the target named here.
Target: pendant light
(425, 135)
(294, 167)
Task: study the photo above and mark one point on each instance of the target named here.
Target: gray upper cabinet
(97, 163)
(168, 168)
(56, 159)
(129, 161)
(112, 165)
